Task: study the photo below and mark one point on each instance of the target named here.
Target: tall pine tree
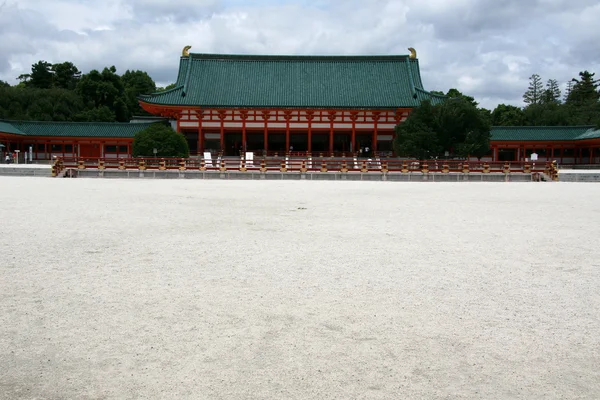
(552, 93)
(533, 95)
(585, 90)
(568, 90)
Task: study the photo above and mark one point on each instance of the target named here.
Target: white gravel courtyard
(128, 289)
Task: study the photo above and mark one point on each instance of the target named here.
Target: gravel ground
(127, 289)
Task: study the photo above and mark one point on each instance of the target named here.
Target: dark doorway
(320, 143)
(255, 141)
(299, 141)
(507, 154)
(341, 141)
(233, 143)
(192, 141)
(277, 142)
(364, 140)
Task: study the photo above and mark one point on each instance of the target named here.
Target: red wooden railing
(301, 164)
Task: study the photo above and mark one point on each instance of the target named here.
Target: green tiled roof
(73, 129)
(214, 80)
(543, 133)
(5, 127)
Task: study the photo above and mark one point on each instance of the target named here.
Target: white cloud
(485, 48)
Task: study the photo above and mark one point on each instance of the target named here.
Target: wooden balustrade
(287, 164)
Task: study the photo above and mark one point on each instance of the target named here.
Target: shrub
(161, 137)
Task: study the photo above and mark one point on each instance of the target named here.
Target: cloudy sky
(485, 48)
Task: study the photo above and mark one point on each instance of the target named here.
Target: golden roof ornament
(413, 52)
(186, 51)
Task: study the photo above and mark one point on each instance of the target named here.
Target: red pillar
(287, 131)
(374, 144)
(222, 133)
(331, 137)
(309, 116)
(244, 116)
(353, 117)
(266, 132)
(200, 135)
(266, 138)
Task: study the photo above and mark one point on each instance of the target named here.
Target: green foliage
(583, 100)
(59, 92)
(507, 115)
(416, 137)
(457, 126)
(41, 75)
(552, 92)
(534, 93)
(581, 104)
(22, 103)
(455, 93)
(585, 90)
(98, 114)
(66, 75)
(161, 137)
(105, 89)
(136, 83)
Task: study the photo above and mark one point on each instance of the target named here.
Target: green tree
(104, 89)
(486, 115)
(457, 126)
(582, 102)
(585, 90)
(533, 95)
(547, 114)
(455, 93)
(24, 78)
(507, 115)
(568, 90)
(136, 83)
(552, 92)
(22, 103)
(161, 137)
(66, 75)
(41, 75)
(98, 114)
(416, 136)
(4, 84)
(464, 129)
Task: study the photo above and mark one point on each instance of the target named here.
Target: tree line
(60, 92)
(460, 128)
(545, 105)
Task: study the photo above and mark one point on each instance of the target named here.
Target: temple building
(330, 105)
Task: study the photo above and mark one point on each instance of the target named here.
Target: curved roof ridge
(299, 57)
(437, 95)
(173, 89)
